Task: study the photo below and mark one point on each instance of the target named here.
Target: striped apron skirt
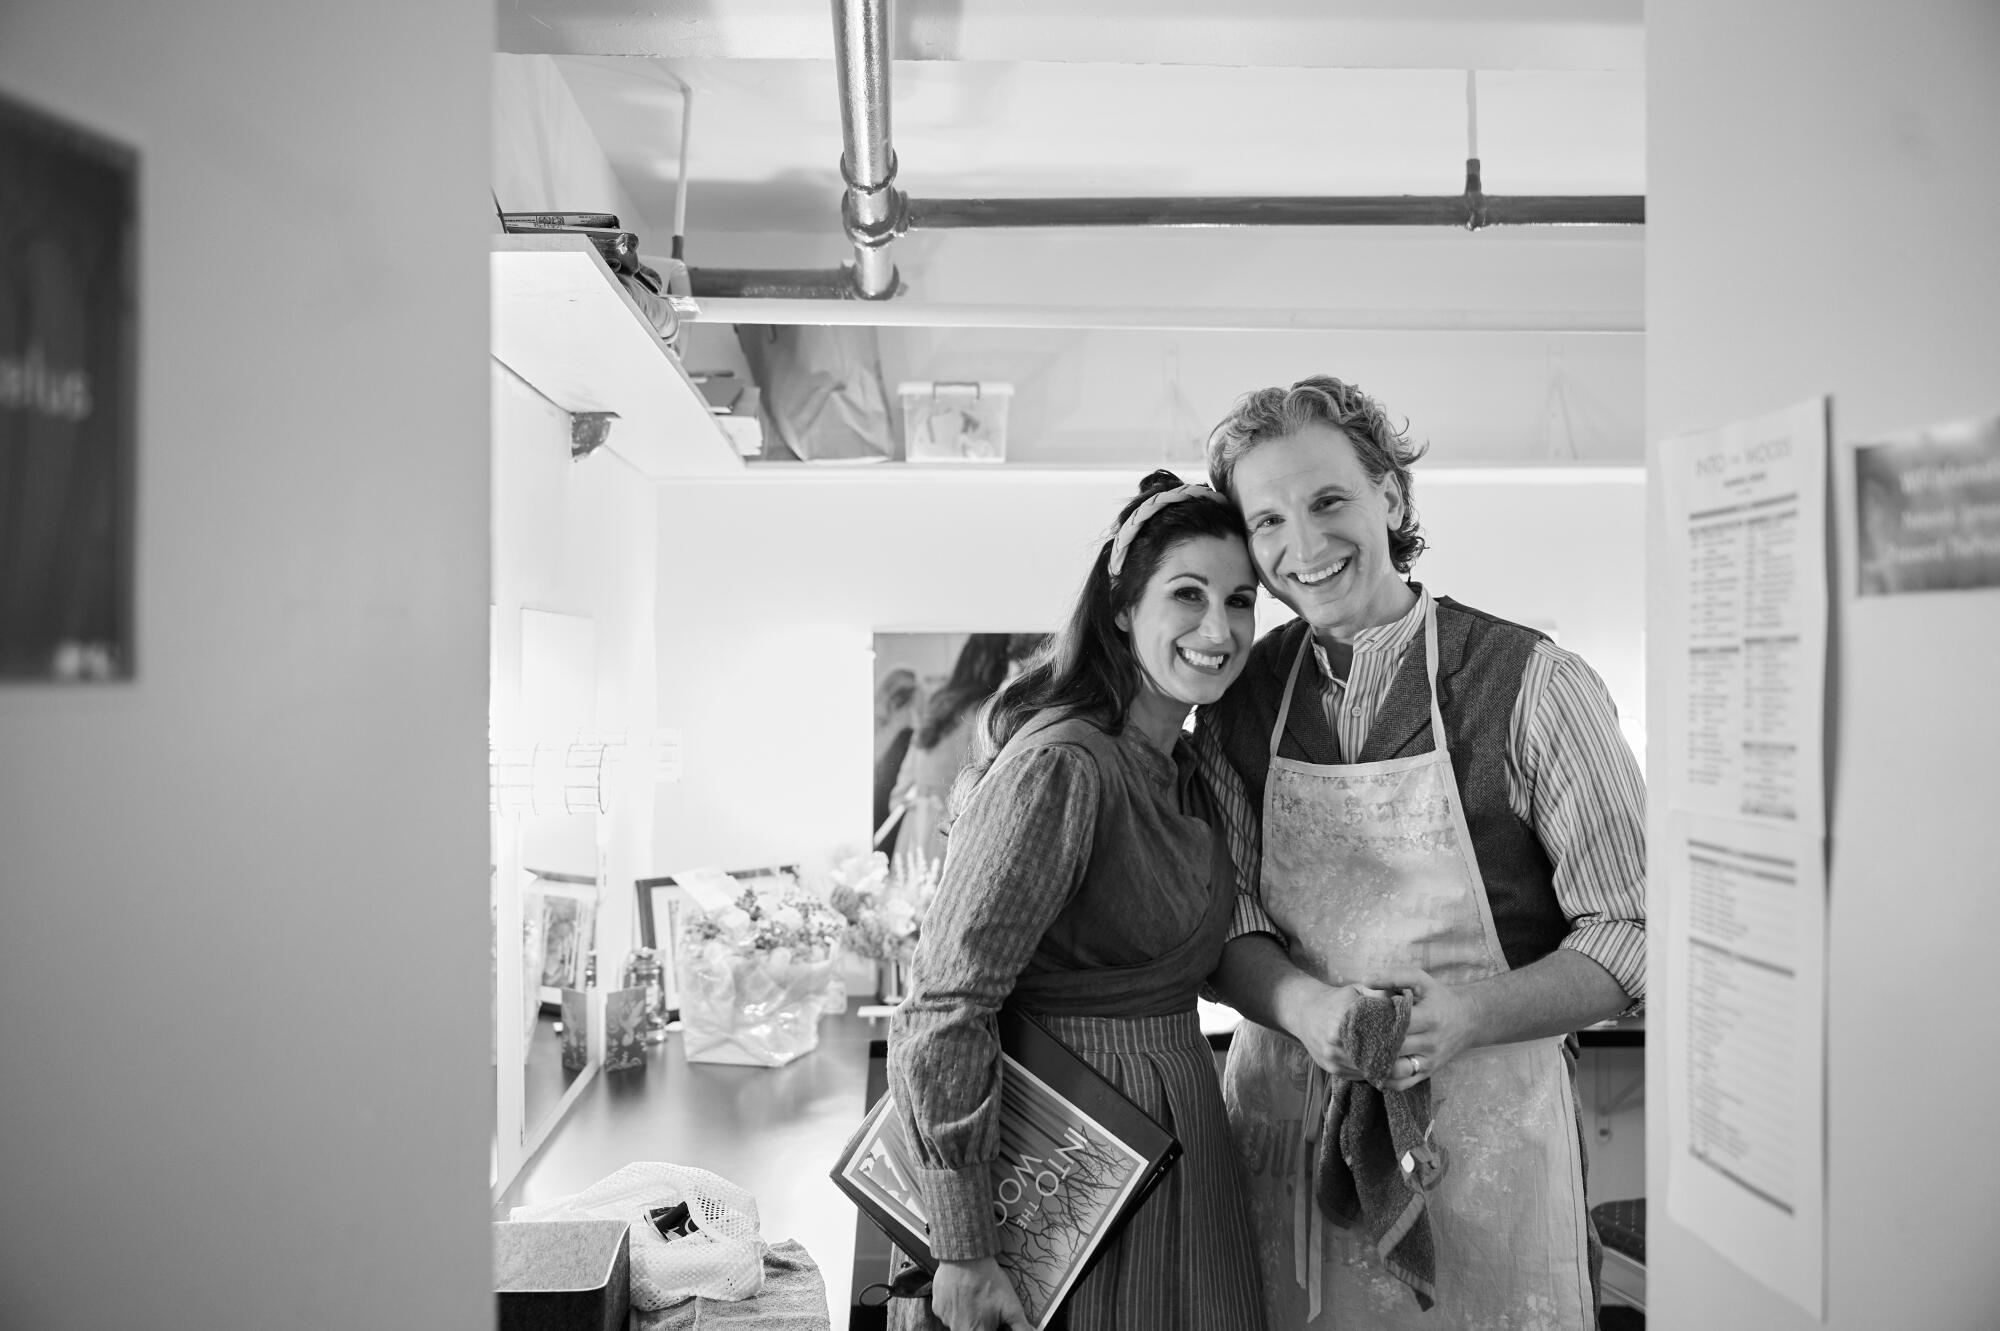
(1184, 1262)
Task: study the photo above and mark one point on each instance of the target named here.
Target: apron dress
(1366, 866)
(1183, 1261)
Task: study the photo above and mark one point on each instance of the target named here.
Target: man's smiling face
(1319, 530)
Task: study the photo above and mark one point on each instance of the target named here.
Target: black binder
(1077, 1158)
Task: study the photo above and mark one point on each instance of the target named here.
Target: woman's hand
(1314, 1019)
(976, 1296)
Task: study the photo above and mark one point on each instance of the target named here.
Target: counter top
(772, 1131)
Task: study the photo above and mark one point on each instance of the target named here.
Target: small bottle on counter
(644, 971)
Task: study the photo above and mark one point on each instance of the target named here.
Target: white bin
(955, 422)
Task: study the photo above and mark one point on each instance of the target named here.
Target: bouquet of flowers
(758, 968)
(884, 904)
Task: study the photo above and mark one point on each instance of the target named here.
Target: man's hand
(1443, 1025)
(1563, 992)
(976, 1296)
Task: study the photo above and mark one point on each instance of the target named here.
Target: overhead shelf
(904, 312)
(564, 324)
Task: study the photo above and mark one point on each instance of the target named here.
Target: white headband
(1130, 527)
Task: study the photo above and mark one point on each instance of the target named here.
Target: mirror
(549, 878)
(928, 690)
(559, 916)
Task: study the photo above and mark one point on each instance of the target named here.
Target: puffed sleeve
(1017, 855)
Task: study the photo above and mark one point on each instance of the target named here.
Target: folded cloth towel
(1359, 1176)
(793, 1298)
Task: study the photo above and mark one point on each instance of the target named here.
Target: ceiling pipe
(871, 209)
(874, 212)
(1472, 210)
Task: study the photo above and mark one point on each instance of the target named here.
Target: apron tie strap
(1308, 1226)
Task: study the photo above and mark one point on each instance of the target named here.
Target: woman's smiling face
(1193, 624)
(1319, 530)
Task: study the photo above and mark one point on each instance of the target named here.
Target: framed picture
(564, 906)
(69, 302)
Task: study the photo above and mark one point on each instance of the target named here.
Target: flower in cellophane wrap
(758, 968)
(884, 903)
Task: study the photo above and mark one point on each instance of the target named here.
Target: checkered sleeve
(1239, 819)
(1018, 854)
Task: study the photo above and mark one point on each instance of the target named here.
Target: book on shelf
(558, 221)
(1076, 1159)
(619, 249)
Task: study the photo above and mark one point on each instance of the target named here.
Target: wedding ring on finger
(1416, 1065)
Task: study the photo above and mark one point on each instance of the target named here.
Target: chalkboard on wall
(68, 387)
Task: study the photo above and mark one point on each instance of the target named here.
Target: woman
(943, 741)
(1084, 886)
(895, 725)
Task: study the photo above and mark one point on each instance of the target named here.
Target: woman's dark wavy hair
(981, 666)
(1087, 668)
(1279, 413)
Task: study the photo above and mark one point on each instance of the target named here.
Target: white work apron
(1368, 866)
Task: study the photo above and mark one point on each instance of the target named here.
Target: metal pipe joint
(871, 208)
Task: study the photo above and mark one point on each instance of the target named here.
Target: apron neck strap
(1285, 699)
(1430, 678)
(1431, 669)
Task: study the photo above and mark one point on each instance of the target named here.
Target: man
(1446, 807)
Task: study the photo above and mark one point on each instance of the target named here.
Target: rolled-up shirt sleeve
(1017, 855)
(1240, 825)
(1586, 800)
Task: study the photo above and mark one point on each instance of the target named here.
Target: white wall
(771, 591)
(577, 538)
(243, 1071)
(544, 154)
(1820, 221)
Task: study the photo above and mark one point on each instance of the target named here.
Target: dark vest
(1480, 661)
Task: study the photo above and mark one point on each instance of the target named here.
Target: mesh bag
(722, 1257)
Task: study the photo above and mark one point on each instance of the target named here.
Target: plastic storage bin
(955, 422)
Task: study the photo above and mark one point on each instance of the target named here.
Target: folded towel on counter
(793, 1298)
(1359, 1176)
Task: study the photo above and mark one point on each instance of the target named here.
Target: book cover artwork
(1059, 1183)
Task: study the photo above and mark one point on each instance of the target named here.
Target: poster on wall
(1747, 532)
(1742, 893)
(1746, 986)
(68, 360)
(929, 688)
(1928, 509)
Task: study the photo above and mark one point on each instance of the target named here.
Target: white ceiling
(766, 143)
(1351, 34)
(1016, 98)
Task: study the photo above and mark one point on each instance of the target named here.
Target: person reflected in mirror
(1087, 885)
(943, 741)
(896, 702)
(1446, 808)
